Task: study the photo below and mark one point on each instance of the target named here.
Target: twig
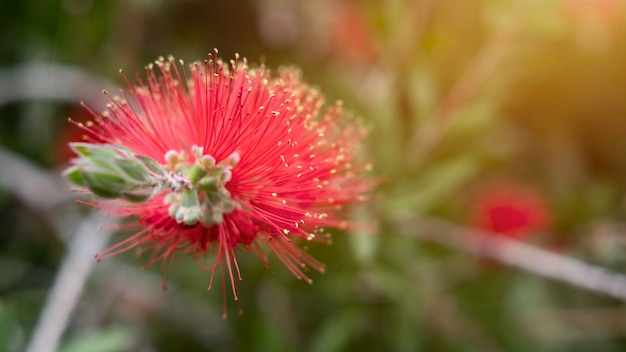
(52, 81)
(43, 190)
(90, 238)
(39, 188)
(518, 254)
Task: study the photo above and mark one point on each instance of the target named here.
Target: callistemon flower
(510, 209)
(221, 157)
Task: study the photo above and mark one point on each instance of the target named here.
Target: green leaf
(136, 197)
(195, 173)
(363, 242)
(339, 331)
(215, 197)
(151, 164)
(81, 148)
(76, 176)
(133, 168)
(103, 192)
(435, 185)
(190, 211)
(209, 183)
(190, 198)
(99, 150)
(111, 340)
(10, 337)
(106, 181)
(192, 216)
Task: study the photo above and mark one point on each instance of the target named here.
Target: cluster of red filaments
(297, 171)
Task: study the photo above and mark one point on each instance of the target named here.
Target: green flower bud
(136, 197)
(217, 217)
(192, 217)
(171, 198)
(206, 162)
(197, 151)
(225, 176)
(173, 210)
(215, 197)
(195, 173)
(180, 213)
(112, 171)
(172, 157)
(209, 184)
(228, 206)
(190, 198)
(232, 159)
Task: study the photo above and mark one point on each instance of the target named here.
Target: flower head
(511, 210)
(220, 157)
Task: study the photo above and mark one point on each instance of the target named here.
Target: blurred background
(503, 120)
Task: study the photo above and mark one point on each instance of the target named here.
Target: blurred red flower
(278, 167)
(352, 39)
(510, 209)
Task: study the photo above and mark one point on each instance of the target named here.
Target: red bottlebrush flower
(510, 210)
(220, 157)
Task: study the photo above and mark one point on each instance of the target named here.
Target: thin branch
(89, 238)
(35, 186)
(518, 254)
(52, 81)
(44, 190)
(40, 189)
